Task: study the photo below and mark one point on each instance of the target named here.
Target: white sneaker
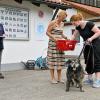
(96, 84)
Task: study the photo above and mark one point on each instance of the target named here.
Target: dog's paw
(77, 86)
(67, 90)
(82, 90)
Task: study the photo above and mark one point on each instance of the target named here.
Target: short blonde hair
(77, 17)
(62, 13)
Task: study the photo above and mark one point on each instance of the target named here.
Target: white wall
(97, 24)
(16, 51)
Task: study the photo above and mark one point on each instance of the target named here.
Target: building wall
(16, 51)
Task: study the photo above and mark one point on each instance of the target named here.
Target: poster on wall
(15, 21)
(40, 31)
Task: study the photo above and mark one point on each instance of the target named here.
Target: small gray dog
(74, 74)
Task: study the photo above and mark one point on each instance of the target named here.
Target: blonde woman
(90, 33)
(55, 57)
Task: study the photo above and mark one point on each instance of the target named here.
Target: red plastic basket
(65, 45)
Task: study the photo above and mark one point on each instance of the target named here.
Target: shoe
(60, 81)
(96, 84)
(54, 82)
(88, 82)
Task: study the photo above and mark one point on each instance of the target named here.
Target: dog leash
(82, 50)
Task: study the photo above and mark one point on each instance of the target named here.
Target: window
(98, 3)
(95, 3)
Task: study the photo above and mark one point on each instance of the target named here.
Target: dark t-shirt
(1, 38)
(87, 31)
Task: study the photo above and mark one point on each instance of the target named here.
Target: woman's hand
(89, 40)
(66, 38)
(55, 39)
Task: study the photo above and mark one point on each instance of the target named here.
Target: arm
(96, 30)
(49, 29)
(65, 37)
(2, 34)
(75, 34)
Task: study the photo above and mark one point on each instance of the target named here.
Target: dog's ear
(79, 60)
(68, 61)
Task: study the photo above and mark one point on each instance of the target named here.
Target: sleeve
(3, 32)
(91, 25)
(2, 29)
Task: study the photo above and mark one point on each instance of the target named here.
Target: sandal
(61, 81)
(54, 82)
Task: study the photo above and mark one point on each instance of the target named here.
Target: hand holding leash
(89, 40)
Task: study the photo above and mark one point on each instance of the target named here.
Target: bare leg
(52, 76)
(1, 76)
(97, 75)
(59, 72)
(90, 76)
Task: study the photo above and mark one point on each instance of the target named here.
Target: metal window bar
(95, 3)
(98, 3)
(87, 2)
(91, 2)
(82, 1)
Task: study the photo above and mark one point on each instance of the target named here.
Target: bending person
(90, 33)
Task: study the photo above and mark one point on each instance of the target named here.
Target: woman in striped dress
(55, 57)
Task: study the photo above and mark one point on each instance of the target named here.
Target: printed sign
(15, 21)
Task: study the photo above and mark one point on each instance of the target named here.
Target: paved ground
(35, 85)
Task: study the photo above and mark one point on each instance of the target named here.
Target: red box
(65, 45)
